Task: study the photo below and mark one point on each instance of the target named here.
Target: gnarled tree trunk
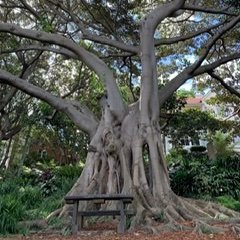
(128, 157)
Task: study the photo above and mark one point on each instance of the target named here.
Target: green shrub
(181, 183)
(197, 176)
(222, 144)
(11, 211)
(68, 171)
(7, 187)
(232, 161)
(229, 202)
(47, 184)
(48, 205)
(30, 196)
(33, 194)
(29, 176)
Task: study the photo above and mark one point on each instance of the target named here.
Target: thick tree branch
(59, 50)
(86, 122)
(91, 60)
(113, 43)
(149, 84)
(213, 40)
(225, 85)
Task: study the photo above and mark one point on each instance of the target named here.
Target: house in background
(194, 102)
(218, 111)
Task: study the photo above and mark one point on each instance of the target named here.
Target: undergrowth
(32, 195)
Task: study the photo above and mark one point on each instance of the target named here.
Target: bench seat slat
(100, 196)
(104, 213)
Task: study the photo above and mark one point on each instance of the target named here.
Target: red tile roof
(194, 100)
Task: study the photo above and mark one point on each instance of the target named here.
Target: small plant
(129, 221)
(229, 202)
(11, 211)
(222, 144)
(69, 171)
(30, 196)
(159, 216)
(47, 183)
(56, 223)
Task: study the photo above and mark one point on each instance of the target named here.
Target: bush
(177, 156)
(47, 183)
(30, 196)
(33, 194)
(68, 171)
(229, 202)
(11, 211)
(197, 176)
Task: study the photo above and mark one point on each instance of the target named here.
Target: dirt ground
(108, 232)
(109, 235)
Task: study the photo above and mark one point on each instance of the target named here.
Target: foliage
(198, 123)
(95, 40)
(229, 202)
(33, 195)
(232, 3)
(185, 93)
(222, 144)
(193, 176)
(174, 104)
(52, 128)
(11, 211)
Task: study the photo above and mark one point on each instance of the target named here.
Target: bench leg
(81, 222)
(75, 218)
(122, 223)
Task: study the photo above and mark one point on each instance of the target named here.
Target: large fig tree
(139, 44)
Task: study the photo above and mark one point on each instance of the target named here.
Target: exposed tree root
(128, 158)
(236, 229)
(39, 224)
(55, 213)
(203, 227)
(192, 215)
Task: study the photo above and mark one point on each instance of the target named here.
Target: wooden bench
(78, 216)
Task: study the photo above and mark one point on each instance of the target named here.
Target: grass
(229, 202)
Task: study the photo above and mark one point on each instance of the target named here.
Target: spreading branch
(86, 122)
(91, 60)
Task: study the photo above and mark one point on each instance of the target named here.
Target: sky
(187, 85)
